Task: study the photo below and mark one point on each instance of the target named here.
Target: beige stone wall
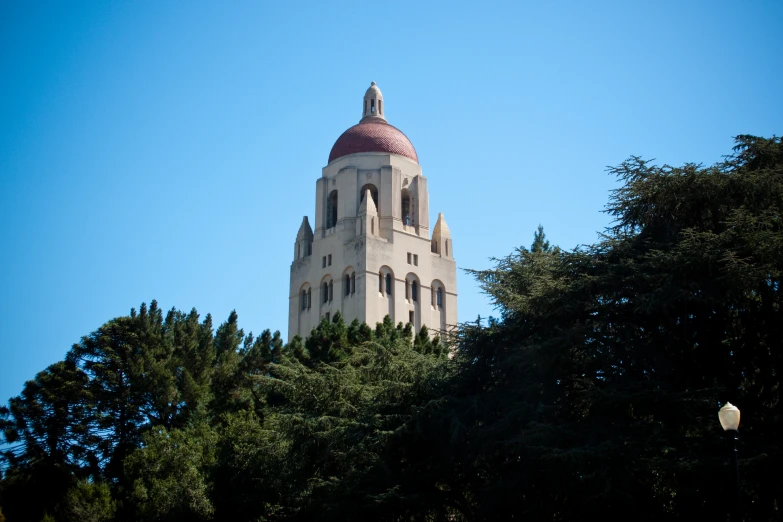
(350, 247)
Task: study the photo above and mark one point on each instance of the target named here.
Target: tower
(371, 254)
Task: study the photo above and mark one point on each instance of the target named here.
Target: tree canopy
(594, 393)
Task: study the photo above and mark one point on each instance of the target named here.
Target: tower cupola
(373, 104)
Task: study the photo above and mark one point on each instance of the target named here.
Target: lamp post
(729, 416)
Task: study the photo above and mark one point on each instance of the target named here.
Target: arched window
(439, 297)
(303, 299)
(331, 290)
(388, 284)
(414, 291)
(325, 292)
(353, 283)
(331, 210)
(309, 297)
(405, 202)
(446, 243)
(380, 282)
(373, 193)
(347, 284)
(434, 246)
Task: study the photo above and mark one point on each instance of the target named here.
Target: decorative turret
(373, 105)
(304, 240)
(367, 224)
(441, 238)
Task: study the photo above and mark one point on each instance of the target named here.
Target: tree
(171, 474)
(596, 392)
(88, 502)
(49, 438)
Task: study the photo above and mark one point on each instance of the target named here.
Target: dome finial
(373, 104)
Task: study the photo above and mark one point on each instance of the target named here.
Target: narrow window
(409, 258)
(372, 106)
(304, 300)
(365, 106)
(309, 297)
(388, 284)
(323, 262)
(329, 260)
(353, 283)
(407, 289)
(415, 259)
(432, 296)
(447, 247)
(440, 297)
(414, 291)
(325, 292)
(309, 249)
(347, 284)
(434, 246)
(411, 317)
(298, 250)
(380, 107)
(380, 282)
(331, 290)
(406, 208)
(331, 210)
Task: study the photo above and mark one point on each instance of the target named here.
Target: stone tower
(371, 253)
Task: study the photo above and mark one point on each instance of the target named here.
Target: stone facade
(371, 253)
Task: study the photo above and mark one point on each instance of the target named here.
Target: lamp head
(729, 416)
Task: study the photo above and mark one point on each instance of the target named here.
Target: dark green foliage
(170, 475)
(594, 395)
(88, 502)
(598, 392)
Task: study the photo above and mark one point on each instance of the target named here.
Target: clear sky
(168, 150)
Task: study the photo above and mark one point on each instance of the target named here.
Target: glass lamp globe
(729, 416)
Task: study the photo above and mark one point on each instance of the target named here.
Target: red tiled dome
(373, 137)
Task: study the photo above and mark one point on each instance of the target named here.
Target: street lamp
(729, 416)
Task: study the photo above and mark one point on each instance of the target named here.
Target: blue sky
(168, 150)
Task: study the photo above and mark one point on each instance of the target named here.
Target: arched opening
(331, 210)
(405, 203)
(446, 243)
(305, 295)
(388, 284)
(414, 291)
(325, 292)
(434, 246)
(373, 193)
(353, 283)
(347, 285)
(438, 295)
